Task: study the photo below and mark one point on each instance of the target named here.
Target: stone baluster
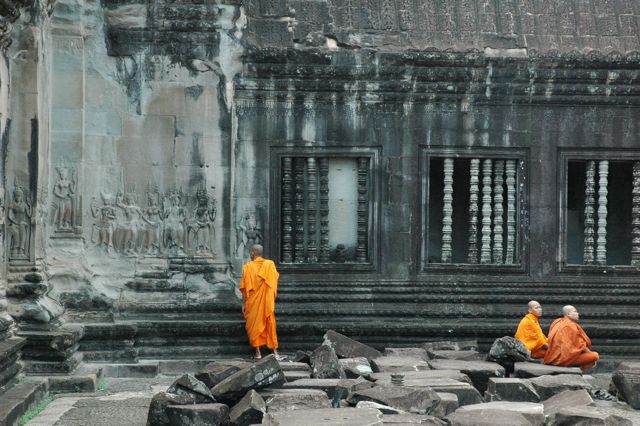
(324, 210)
(298, 213)
(474, 171)
(588, 257)
(601, 247)
(635, 213)
(498, 210)
(447, 210)
(312, 210)
(485, 249)
(287, 210)
(362, 249)
(510, 170)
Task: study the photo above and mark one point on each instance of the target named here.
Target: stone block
(570, 416)
(414, 400)
(469, 355)
(77, 383)
(524, 413)
(547, 386)
(325, 417)
(292, 376)
(627, 384)
(53, 367)
(20, 398)
(189, 385)
(526, 370)
(330, 386)
(411, 419)
(356, 367)
(448, 404)
(131, 370)
(451, 345)
(384, 409)
(200, 414)
(420, 353)
(249, 410)
(263, 373)
(325, 365)
(295, 366)
(425, 375)
(570, 398)
(478, 371)
(346, 347)
(215, 372)
(394, 364)
(157, 415)
(278, 400)
(511, 389)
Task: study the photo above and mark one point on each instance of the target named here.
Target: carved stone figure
(19, 218)
(133, 223)
(106, 216)
(200, 228)
(173, 215)
(153, 215)
(340, 255)
(247, 233)
(64, 192)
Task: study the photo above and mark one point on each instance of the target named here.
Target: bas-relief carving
(248, 233)
(170, 224)
(19, 215)
(64, 193)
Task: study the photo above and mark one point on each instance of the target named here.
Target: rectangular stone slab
(325, 417)
(478, 371)
(526, 370)
(263, 373)
(346, 347)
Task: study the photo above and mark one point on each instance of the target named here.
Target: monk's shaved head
(534, 308)
(570, 312)
(257, 250)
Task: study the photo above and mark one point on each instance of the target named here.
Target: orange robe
(567, 344)
(259, 287)
(530, 333)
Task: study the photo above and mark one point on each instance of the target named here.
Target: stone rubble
(406, 389)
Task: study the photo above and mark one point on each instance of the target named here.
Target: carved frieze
(64, 191)
(19, 218)
(248, 232)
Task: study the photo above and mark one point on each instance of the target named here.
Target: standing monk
(259, 287)
(530, 333)
(569, 345)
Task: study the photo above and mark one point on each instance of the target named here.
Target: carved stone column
(601, 247)
(287, 210)
(447, 210)
(589, 213)
(298, 214)
(510, 170)
(635, 213)
(485, 250)
(312, 209)
(474, 180)
(324, 210)
(498, 210)
(362, 250)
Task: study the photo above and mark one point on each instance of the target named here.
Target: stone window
(326, 210)
(601, 210)
(475, 210)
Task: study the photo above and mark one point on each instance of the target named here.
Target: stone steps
(20, 398)
(10, 365)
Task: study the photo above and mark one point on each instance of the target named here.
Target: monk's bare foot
(257, 355)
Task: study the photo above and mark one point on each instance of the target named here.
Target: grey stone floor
(122, 402)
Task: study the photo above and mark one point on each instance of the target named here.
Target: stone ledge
(20, 398)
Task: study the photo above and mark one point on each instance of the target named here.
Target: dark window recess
(325, 209)
(603, 212)
(473, 211)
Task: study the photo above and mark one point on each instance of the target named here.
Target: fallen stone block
(461, 355)
(189, 385)
(249, 410)
(356, 367)
(627, 386)
(157, 415)
(394, 364)
(263, 373)
(292, 376)
(527, 370)
(425, 374)
(346, 347)
(413, 400)
(547, 386)
(419, 353)
(478, 371)
(295, 366)
(215, 372)
(302, 356)
(325, 365)
(325, 417)
(411, 419)
(451, 345)
(384, 409)
(278, 400)
(619, 409)
(571, 416)
(571, 398)
(508, 389)
(629, 365)
(448, 404)
(528, 413)
(200, 415)
(466, 393)
(331, 387)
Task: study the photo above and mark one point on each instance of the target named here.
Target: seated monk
(530, 333)
(569, 345)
